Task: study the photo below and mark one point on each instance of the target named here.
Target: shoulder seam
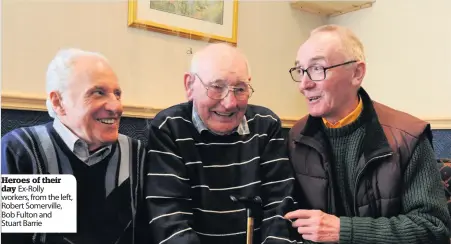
(396, 128)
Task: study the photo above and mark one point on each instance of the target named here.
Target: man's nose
(229, 102)
(114, 105)
(306, 83)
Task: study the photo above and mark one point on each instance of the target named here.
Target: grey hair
(60, 71)
(353, 47)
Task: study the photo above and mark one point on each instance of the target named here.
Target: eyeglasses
(219, 89)
(315, 73)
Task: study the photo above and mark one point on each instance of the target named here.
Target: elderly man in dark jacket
(366, 173)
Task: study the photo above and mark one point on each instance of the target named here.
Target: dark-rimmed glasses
(219, 89)
(315, 72)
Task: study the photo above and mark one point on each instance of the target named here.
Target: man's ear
(57, 103)
(359, 73)
(188, 81)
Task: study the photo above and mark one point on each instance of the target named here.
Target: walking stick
(250, 203)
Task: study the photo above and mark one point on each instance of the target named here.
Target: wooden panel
(331, 8)
(35, 103)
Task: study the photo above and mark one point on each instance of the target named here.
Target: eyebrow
(226, 81)
(103, 89)
(94, 88)
(316, 58)
(97, 87)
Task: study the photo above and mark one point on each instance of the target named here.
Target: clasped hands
(315, 225)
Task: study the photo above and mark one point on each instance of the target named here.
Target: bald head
(214, 70)
(220, 58)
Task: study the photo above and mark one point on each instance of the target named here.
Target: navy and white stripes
(108, 196)
(190, 178)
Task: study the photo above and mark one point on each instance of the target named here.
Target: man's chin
(316, 113)
(108, 140)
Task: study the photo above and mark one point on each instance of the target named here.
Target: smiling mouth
(312, 99)
(224, 114)
(107, 121)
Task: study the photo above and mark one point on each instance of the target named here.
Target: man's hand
(315, 225)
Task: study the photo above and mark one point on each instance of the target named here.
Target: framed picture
(208, 20)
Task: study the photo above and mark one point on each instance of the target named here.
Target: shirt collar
(348, 119)
(68, 136)
(78, 146)
(242, 129)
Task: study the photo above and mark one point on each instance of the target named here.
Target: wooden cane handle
(250, 230)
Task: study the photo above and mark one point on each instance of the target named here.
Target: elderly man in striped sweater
(214, 146)
(84, 98)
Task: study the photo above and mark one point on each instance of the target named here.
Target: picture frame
(206, 20)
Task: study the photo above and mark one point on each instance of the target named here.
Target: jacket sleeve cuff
(345, 230)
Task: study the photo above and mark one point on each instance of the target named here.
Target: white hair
(60, 71)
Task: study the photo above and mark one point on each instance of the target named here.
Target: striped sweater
(107, 192)
(190, 177)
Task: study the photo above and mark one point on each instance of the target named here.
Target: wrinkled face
(334, 97)
(224, 115)
(91, 104)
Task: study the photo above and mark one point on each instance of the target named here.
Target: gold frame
(133, 21)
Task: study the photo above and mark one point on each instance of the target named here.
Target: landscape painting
(206, 10)
(207, 20)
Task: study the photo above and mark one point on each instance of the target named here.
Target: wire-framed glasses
(219, 89)
(315, 72)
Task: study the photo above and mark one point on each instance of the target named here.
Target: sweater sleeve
(423, 201)
(9, 159)
(277, 189)
(15, 160)
(17, 153)
(167, 192)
